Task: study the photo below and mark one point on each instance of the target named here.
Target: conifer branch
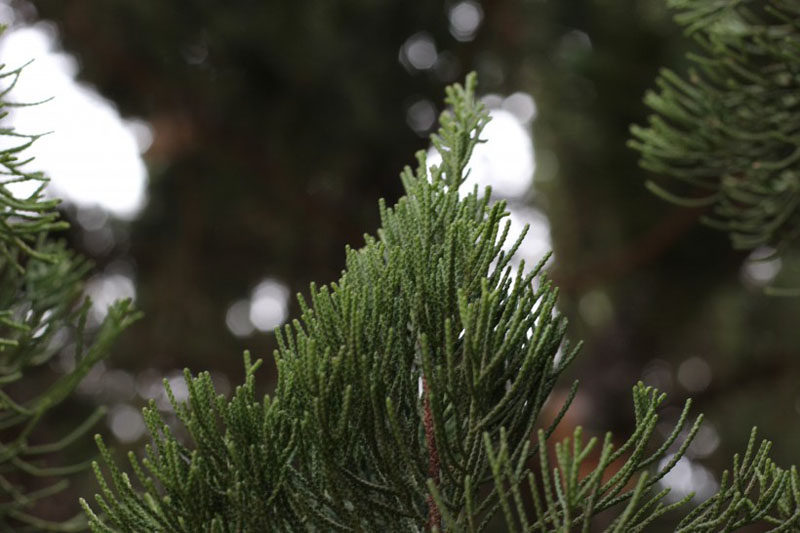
(726, 134)
(409, 398)
(41, 297)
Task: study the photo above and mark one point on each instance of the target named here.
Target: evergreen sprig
(409, 398)
(755, 491)
(232, 480)
(428, 344)
(729, 131)
(42, 310)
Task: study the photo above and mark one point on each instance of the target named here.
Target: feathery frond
(41, 310)
(409, 399)
(727, 134)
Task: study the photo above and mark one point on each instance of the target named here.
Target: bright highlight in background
(506, 163)
(265, 310)
(269, 304)
(93, 155)
(105, 289)
(506, 160)
(465, 17)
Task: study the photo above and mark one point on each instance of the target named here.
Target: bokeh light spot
(421, 115)
(269, 305)
(694, 374)
(126, 423)
(465, 18)
(705, 442)
(105, 289)
(238, 318)
(687, 477)
(761, 267)
(522, 106)
(418, 52)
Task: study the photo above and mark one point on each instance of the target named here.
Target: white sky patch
(93, 155)
(537, 241)
(505, 161)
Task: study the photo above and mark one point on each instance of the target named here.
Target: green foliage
(432, 304)
(231, 481)
(408, 398)
(566, 502)
(40, 312)
(760, 493)
(729, 130)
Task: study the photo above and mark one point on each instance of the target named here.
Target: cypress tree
(410, 398)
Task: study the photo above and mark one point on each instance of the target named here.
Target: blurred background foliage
(274, 127)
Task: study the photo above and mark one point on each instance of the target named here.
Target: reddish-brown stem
(434, 517)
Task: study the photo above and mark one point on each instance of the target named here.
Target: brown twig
(434, 517)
